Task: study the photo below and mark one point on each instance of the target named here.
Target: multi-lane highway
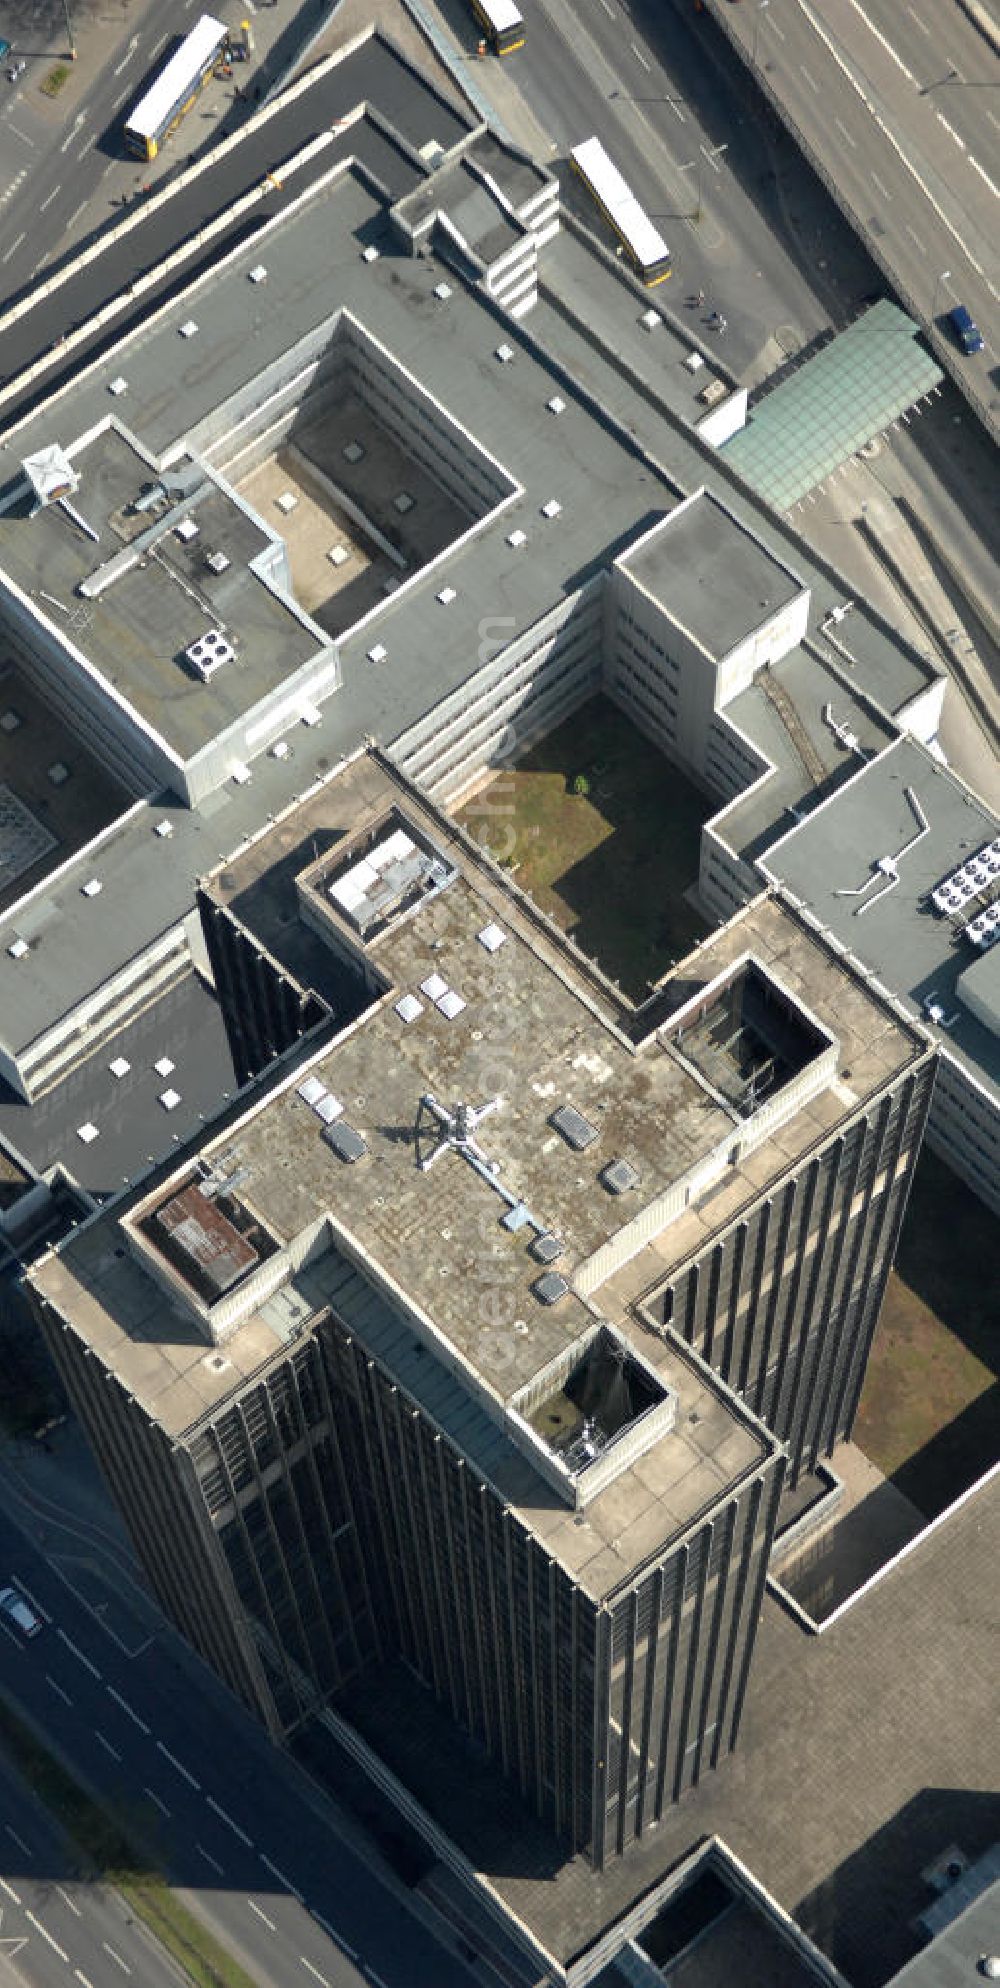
(239, 1831)
(51, 1919)
(898, 106)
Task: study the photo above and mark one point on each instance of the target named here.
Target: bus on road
(162, 106)
(641, 241)
(502, 24)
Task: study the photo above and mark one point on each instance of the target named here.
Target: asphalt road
(745, 220)
(50, 1923)
(236, 1826)
(885, 136)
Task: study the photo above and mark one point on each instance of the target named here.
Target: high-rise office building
(385, 1368)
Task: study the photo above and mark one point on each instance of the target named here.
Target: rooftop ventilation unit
(556, 405)
(618, 1176)
(186, 530)
(352, 451)
(209, 653)
(188, 328)
(492, 937)
(18, 948)
(505, 354)
(369, 254)
(163, 829)
(258, 273)
(547, 1248)
(650, 320)
(404, 502)
(442, 292)
(552, 508)
(377, 653)
(573, 1127)
(446, 596)
(51, 475)
(517, 539)
(715, 391)
(343, 1140)
(218, 562)
(550, 1287)
(118, 386)
(92, 889)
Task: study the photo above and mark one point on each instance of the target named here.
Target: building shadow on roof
(862, 1915)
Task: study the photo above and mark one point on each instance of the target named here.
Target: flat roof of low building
(797, 714)
(136, 629)
(829, 861)
(711, 574)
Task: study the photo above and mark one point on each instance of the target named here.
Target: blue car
(965, 329)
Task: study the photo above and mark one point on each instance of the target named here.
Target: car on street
(19, 1612)
(965, 329)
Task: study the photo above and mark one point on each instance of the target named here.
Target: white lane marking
(280, 1875)
(81, 118)
(82, 1978)
(19, 1840)
(209, 1859)
(884, 191)
(49, 198)
(155, 50)
(108, 1748)
(351, 1952)
(13, 248)
(84, 149)
(262, 1915)
(375, 1978)
(120, 99)
(678, 113)
(608, 8)
(914, 237)
(78, 1654)
(9, 1889)
(637, 52)
(67, 1900)
(776, 30)
(154, 1797)
(813, 86)
(39, 1928)
(915, 18)
(57, 1688)
(36, 1605)
(116, 1956)
(127, 1709)
(842, 128)
(228, 1820)
(179, 1764)
(710, 159)
(127, 57)
(18, 133)
(314, 1971)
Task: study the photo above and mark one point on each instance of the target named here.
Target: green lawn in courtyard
(611, 865)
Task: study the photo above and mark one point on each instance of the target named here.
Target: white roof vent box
(209, 653)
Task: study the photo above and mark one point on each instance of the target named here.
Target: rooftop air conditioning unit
(209, 653)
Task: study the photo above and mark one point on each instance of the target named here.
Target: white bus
(641, 241)
(165, 102)
(502, 24)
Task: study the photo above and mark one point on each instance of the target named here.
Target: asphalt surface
(744, 218)
(878, 96)
(50, 1923)
(232, 1821)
